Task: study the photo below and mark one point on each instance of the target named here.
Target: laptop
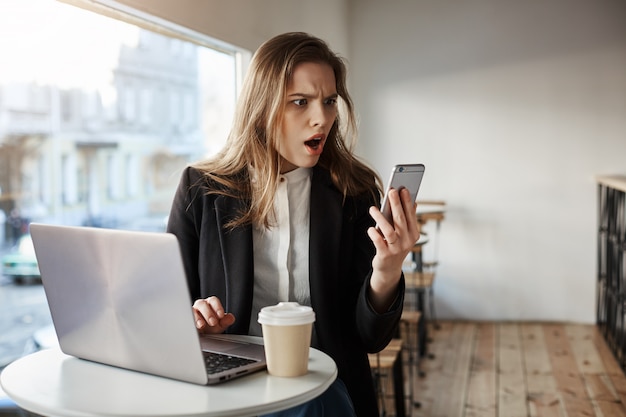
(120, 298)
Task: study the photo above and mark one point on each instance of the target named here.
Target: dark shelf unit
(611, 284)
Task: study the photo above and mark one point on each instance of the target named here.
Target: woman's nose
(319, 115)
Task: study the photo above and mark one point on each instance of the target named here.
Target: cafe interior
(517, 109)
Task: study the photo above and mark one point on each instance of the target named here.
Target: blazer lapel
(238, 262)
(325, 233)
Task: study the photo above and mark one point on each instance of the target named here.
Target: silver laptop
(121, 298)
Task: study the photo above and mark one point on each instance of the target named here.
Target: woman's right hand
(210, 316)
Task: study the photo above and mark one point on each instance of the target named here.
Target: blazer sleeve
(183, 223)
(375, 330)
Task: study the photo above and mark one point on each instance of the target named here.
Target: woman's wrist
(383, 292)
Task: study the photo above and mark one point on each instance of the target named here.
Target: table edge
(35, 407)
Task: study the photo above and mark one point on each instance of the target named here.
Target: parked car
(21, 263)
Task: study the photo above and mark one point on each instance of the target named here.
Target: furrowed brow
(304, 95)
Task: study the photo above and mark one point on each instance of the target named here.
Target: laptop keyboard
(218, 362)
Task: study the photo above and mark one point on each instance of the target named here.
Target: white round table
(51, 383)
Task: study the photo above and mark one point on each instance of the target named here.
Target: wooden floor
(518, 370)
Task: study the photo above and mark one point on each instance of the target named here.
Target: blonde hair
(252, 139)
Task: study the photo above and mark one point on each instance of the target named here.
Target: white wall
(513, 107)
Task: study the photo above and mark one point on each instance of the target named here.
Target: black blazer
(220, 262)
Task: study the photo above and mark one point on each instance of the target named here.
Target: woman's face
(309, 114)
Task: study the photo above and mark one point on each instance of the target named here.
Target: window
(90, 102)
(95, 128)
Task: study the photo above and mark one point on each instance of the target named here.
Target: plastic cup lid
(286, 314)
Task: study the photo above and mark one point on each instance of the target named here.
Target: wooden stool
(383, 364)
(429, 211)
(432, 211)
(421, 284)
(410, 320)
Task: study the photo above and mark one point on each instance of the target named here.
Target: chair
(428, 211)
(432, 211)
(421, 276)
(421, 283)
(385, 364)
(409, 321)
(418, 284)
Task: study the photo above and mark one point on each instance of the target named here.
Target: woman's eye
(299, 102)
(331, 101)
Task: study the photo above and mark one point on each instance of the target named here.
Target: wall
(513, 107)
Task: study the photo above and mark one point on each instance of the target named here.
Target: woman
(286, 212)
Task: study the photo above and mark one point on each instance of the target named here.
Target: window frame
(124, 13)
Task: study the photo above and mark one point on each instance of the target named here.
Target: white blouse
(281, 253)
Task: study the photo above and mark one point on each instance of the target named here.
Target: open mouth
(314, 143)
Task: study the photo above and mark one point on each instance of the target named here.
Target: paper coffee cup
(287, 338)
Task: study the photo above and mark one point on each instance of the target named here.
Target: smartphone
(407, 176)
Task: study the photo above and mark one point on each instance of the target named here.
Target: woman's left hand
(393, 243)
